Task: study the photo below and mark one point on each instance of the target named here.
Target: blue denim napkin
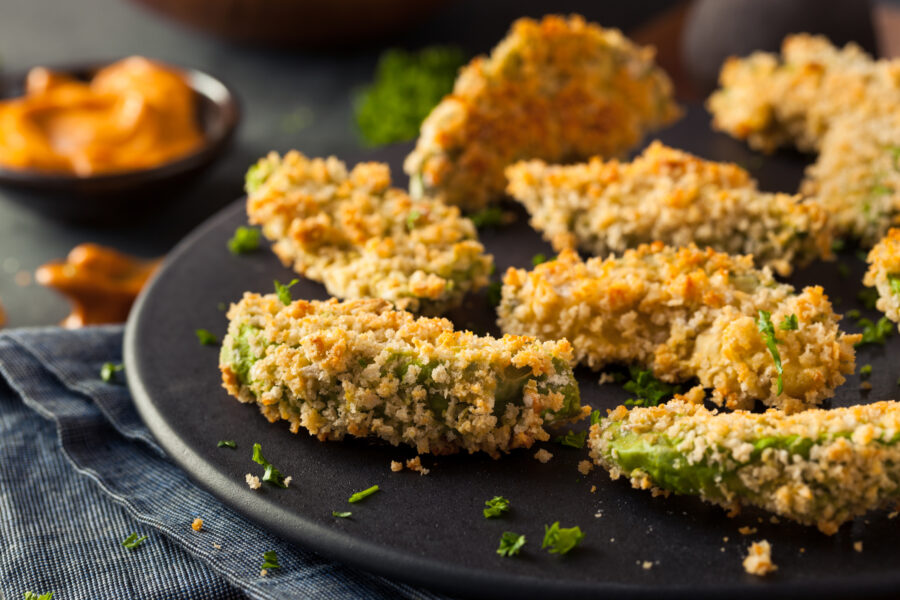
(79, 472)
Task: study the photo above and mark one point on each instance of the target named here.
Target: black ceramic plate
(430, 530)
(116, 197)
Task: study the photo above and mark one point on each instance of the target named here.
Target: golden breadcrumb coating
(884, 274)
(817, 467)
(556, 89)
(362, 238)
(667, 195)
(835, 101)
(685, 313)
(361, 368)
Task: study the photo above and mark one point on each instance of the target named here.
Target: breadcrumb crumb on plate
(197, 524)
(543, 456)
(253, 481)
(759, 559)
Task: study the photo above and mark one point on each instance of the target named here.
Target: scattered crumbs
(415, 464)
(857, 546)
(605, 378)
(802, 550)
(774, 520)
(611, 540)
(725, 538)
(646, 565)
(594, 489)
(22, 278)
(746, 530)
(263, 572)
(217, 546)
(543, 456)
(585, 466)
(598, 514)
(287, 480)
(396, 466)
(722, 549)
(865, 385)
(892, 515)
(197, 525)
(759, 559)
(253, 481)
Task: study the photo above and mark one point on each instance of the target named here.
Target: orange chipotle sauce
(133, 114)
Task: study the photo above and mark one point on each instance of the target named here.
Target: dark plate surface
(430, 530)
(116, 197)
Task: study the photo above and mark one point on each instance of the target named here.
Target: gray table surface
(290, 99)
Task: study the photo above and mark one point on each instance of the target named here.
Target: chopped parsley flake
(257, 175)
(206, 337)
(108, 371)
(363, 494)
(649, 390)
(341, 514)
(843, 270)
(494, 293)
(510, 543)
(894, 281)
(865, 371)
(411, 219)
(767, 329)
(875, 333)
(244, 240)
(495, 507)
(868, 297)
(271, 474)
(853, 313)
(789, 323)
(572, 439)
(270, 560)
(487, 217)
(227, 444)
(33, 596)
(838, 245)
(561, 540)
(595, 417)
(222, 306)
(284, 291)
(538, 258)
(133, 541)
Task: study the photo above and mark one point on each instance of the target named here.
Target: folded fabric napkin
(80, 472)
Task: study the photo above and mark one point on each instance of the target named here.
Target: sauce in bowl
(133, 114)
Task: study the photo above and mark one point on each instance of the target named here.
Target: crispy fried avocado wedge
(556, 89)
(363, 369)
(884, 274)
(687, 313)
(360, 237)
(817, 467)
(604, 207)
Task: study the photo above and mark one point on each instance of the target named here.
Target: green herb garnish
(206, 337)
(538, 258)
(33, 596)
(789, 323)
(411, 219)
(257, 175)
(270, 560)
(271, 474)
(868, 297)
(227, 444)
(245, 239)
(595, 417)
(510, 543)
(561, 540)
(341, 514)
(865, 371)
(495, 507)
(894, 281)
(838, 245)
(108, 371)
(488, 217)
(407, 86)
(649, 390)
(853, 313)
(875, 333)
(767, 329)
(572, 439)
(363, 494)
(133, 541)
(284, 291)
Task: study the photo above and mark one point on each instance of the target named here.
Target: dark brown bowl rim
(227, 117)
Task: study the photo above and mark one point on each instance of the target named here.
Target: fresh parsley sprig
(206, 337)
(33, 596)
(108, 371)
(363, 494)
(560, 540)
(487, 217)
(133, 541)
(495, 507)
(227, 444)
(649, 390)
(341, 514)
(767, 329)
(244, 240)
(284, 291)
(270, 560)
(572, 439)
(510, 543)
(271, 474)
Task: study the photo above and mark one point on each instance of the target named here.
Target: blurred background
(300, 70)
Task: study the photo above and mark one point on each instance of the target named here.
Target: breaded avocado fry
(361, 368)
(687, 313)
(665, 194)
(556, 89)
(817, 467)
(884, 274)
(362, 238)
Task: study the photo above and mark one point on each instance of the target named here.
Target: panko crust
(360, 237)
(362, 368)
(884, 274)
(817, 467)
(835, 101)
(685, 313)
(556, 89)
(668, 195)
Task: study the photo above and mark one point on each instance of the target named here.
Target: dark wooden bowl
(116, 197)
(296, 23)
